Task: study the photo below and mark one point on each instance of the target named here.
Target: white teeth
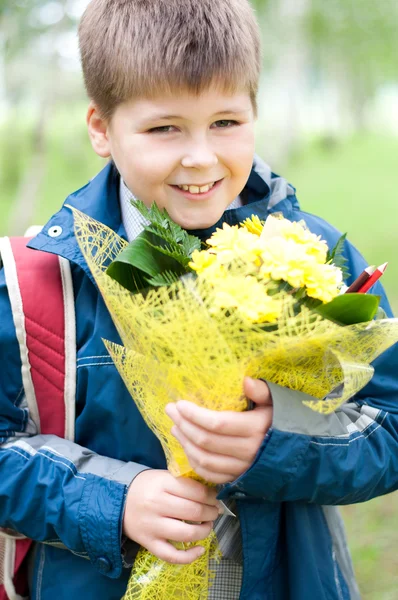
(194, 189)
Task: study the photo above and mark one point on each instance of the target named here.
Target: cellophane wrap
(176, 345)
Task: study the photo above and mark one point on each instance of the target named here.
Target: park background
(328, 121)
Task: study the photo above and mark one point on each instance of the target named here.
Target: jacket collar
(100, 200)
(264, 192)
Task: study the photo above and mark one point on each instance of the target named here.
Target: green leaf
(130, 278)
(349, 309)
(165, 278)
(158, 256)
(141, 261)
(172, 234)
(336, 256)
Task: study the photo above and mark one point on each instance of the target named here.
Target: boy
(172, 87)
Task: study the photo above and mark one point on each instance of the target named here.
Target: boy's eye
(224, 123)
(162, 129)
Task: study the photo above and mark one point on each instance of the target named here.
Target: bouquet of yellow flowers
(259, 300)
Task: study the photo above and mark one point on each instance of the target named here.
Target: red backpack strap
(42, 301)
(41, 296)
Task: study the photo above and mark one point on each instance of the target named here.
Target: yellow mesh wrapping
(174, 348)
(153, 579)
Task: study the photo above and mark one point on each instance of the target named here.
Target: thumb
(257, 391)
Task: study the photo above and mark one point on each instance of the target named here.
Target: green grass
(352, 184)
(372, 537)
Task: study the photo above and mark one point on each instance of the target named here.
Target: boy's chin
(198, 222)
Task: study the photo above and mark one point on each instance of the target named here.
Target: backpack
(42, 301)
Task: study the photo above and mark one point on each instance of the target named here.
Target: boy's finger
(188, 510)
(190, 489)
(176, 530)
(220, 422)
(257, 391)
(228, 445)
(167, 552)
(208, 462)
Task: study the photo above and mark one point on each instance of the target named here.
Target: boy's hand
(156, 506)
(221, 445)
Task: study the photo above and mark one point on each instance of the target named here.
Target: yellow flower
(284, 260)
(233, 242)
(300, 234)
(202, 260)
(239, 257)
(324, 282)
(253, 225)
(248, 296)
(232, 238)
(224, 238)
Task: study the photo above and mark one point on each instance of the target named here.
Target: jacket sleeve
(347, 457)
(53, 490)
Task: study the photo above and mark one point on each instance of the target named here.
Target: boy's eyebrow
(233, 111)
(229, 111)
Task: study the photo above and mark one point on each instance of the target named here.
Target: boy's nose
(199, 156)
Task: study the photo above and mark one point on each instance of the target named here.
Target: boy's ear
(98, 131)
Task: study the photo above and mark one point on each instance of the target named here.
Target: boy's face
(160, 146)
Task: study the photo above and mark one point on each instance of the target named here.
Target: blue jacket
(71, 495)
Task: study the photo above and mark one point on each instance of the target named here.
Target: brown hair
(140, 48)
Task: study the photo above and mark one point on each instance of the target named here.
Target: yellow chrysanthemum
(323, 282)
(253, 225)
(225, 237)
(300, 234)
(291, 253)
(234, 242)
(202, 260)
(248, 296)
(284, 260)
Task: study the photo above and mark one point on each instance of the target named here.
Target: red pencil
(361, 280)
(373, 278)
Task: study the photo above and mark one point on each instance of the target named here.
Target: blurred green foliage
(353, 185)
(358, 34)
(68, 157)
(371, 529)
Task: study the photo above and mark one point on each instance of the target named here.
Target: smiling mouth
(197, 189)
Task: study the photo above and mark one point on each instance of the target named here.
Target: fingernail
(221, 509)
(201, 550)
(180, 403)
